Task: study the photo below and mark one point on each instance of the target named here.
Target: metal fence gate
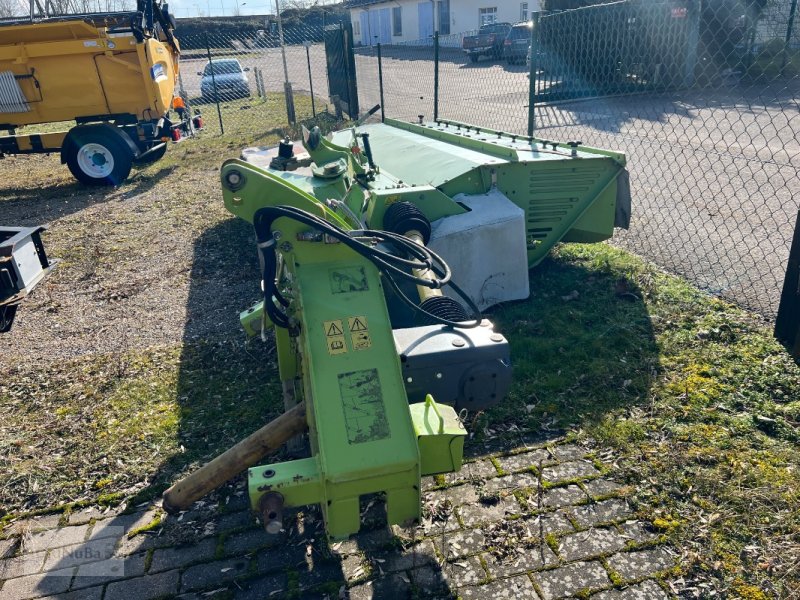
(618, 48)
(341, 67)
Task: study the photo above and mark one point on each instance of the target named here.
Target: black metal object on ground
(787, 325)
(23, 264)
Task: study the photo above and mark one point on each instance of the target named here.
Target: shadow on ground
(566, 100)
(46, 203)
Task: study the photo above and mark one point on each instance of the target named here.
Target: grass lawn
(129, 368)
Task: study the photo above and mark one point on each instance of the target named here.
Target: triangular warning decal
(334, 328)
(356, 324)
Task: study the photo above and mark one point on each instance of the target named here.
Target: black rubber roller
(442, 307)
(402, 217)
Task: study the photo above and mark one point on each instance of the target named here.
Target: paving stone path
(538, 522)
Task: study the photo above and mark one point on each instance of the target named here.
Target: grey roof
(357, 3)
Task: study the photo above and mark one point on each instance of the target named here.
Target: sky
(204, 8)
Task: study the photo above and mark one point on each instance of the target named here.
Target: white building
(395, 21)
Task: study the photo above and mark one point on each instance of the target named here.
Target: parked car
(229, 78)
(517, 42)
(488, 42)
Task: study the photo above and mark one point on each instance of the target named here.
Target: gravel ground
(137, 262)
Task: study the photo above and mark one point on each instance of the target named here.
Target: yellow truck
(113, 74)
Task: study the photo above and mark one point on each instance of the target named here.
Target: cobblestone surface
(570, 579)
(516, 588)
(575, 520)
(633, 565)
(526, 559)
(605, 511)
(593, 542)
(563, 496)
(460, 543)
(569, 471)
(468, 571)
(518, 462)
(647, 590)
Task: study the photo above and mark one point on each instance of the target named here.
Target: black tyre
(98, 155)
(154, 156)
(7, 314)
(473, 58)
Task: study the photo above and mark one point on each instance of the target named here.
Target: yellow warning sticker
(336, 345)
(334, 337)
(333, 328)
(359, 332)
(357, 324)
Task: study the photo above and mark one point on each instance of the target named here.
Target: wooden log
(234, 460)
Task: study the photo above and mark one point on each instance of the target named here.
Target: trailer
(112, 74)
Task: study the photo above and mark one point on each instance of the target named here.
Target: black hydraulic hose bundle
(393, 266)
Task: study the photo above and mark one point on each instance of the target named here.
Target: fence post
(380, 82)
(789, 28)
(692, 41)
(787, 324)
(214, 85)
(261, 81)
(435, 76)
(307, 44)
(534, 51)
(287, 86)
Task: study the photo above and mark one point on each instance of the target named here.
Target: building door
(365, 38)
(374, 27)
(385, 35)
(425, 14)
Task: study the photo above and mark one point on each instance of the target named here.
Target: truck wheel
(98, 156)
(473, 58)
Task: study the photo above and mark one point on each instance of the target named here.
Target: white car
(229, 78)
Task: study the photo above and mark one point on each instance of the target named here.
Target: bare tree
(11, 8)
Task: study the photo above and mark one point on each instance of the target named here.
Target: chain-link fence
(701, 97)
(239, 80)
(405, 72)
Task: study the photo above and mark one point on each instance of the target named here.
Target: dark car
(488, 42)
(515, 46)
(228, 77)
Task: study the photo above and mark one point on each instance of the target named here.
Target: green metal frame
(363, 434)
(365, 438)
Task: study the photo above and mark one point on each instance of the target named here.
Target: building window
(356, 29)
(397, 20)
(444, 17)
(523, 11)
(487, 16)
